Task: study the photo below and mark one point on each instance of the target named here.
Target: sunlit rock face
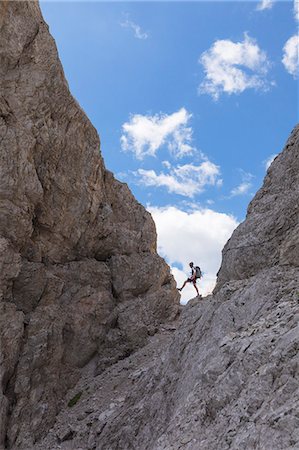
(80, 276)
(270, 234)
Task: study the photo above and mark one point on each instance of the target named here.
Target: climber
(195, 274)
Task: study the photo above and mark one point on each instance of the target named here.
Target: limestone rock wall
(269, 236)
(80, 276)
(58, 201)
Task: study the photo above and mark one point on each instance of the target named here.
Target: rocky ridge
(86, 360)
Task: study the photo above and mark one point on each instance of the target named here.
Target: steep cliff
(269, 236)
(80, 276)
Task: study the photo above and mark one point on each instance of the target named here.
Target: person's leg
(194, 284)
(180, 289)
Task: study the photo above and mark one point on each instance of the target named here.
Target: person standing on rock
(195, 274)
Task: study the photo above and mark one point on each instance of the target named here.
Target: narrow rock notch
(81, 341)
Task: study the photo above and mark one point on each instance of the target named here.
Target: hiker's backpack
(198, 273)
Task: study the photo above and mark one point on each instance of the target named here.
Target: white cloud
(232, 67)
(145, 135)
(244, 187)
(269, 161)
(290, 55)
(265, 4)
(138, 32)
(187, 180)
(166, 164)
(197, 236)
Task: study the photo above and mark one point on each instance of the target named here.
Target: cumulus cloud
(244, 187)
(187, 180)
(144, 134)
(138, 32)
(232, 67)
(264, 4)
(197, 236)
(290, 55)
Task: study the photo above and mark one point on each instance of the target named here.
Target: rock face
(270, 235)
(94, 356)
(80, 276)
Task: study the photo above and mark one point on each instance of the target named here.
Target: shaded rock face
(80, 276)
(58, 203)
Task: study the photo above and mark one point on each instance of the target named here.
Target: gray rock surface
(269, 236)
(72, 240)
(94, 357)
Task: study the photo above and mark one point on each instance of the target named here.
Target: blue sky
(190, 100)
